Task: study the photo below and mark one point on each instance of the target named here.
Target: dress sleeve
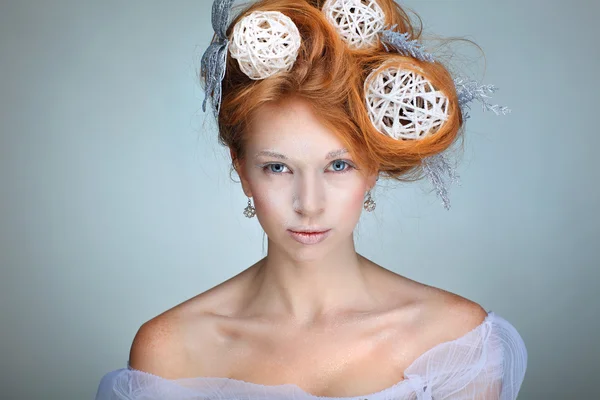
(502, 366)
(130, 384)
(508, 358)
(488, 363)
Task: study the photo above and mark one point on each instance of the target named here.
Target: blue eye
(340, 163)
(338, 167)
(277, 171)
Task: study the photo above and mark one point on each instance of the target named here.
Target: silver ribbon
(214, 59)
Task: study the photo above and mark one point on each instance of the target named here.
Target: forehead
(292, 128)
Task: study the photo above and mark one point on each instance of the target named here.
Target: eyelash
(265, 167)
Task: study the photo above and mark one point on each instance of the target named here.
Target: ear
(241, 171)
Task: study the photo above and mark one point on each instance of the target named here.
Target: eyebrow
(270, 153)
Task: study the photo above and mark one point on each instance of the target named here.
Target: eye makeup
(266, 167)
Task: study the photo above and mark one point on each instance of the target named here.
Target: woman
(313, 318)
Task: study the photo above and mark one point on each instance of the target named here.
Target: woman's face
(301, 177)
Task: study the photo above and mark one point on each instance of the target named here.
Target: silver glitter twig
(214, 59)
(437, 167)
(400, 43)
(469, 90)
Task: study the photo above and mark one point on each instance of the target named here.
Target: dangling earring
(369, 204)
(249, 211)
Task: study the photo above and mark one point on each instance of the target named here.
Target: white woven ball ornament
(403, 104)
(265, 43)
(358, 22)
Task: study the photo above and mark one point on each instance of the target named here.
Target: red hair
(330, 77)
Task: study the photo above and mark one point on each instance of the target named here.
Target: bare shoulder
(168, 345)
(447, 315)
(164, 345)
(450, 315)
(154, 348)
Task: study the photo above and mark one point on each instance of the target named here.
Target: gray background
(116, 202)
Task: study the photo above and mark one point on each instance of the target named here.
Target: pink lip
(309, 237)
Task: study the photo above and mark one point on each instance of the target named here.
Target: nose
(309, 195)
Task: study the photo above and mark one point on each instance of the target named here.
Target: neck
(308, 290)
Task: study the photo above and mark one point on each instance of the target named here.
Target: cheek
(355, 199)
(347, 204)
(272, 210)
(269, 200)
